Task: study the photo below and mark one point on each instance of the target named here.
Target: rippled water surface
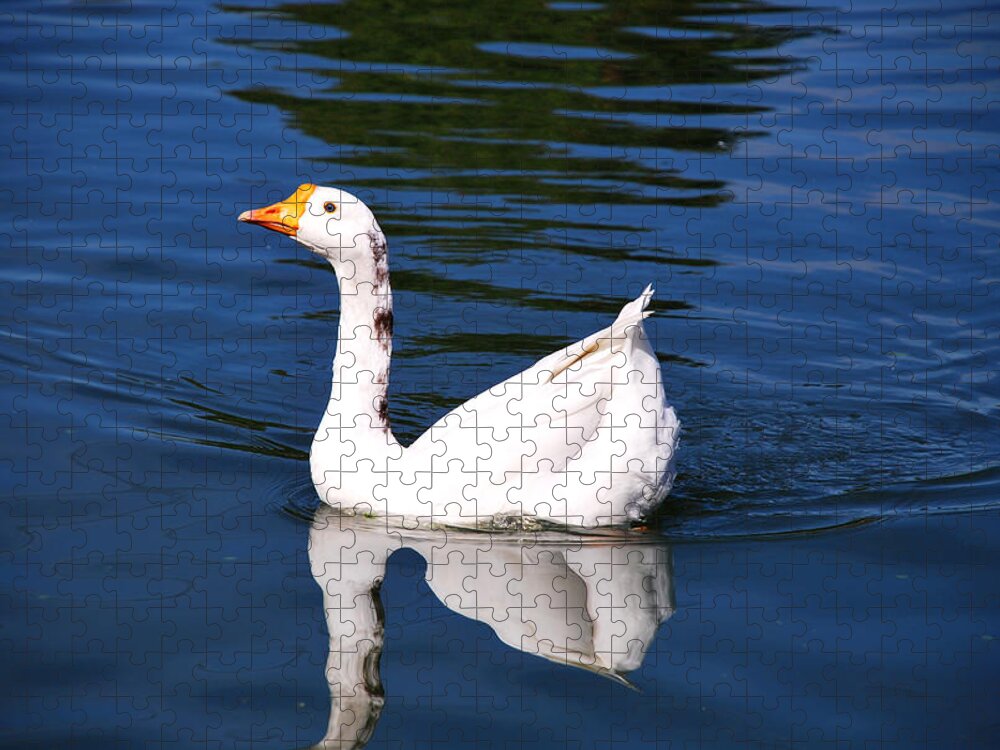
(812, 190)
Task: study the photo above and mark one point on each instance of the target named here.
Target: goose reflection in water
(592, 601)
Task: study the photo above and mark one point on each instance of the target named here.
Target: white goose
(584, 436)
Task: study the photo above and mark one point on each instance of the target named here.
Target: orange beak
(283, 217)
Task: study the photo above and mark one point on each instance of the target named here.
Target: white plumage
(584, 436)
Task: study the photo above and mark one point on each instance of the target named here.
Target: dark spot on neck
(379, 253)
(378, 247)
(383, 326)
(383, 410)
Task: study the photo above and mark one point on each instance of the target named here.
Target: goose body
(584, 436)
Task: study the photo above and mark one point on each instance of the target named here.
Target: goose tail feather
(635, 311)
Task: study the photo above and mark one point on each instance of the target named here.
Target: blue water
(811, 188)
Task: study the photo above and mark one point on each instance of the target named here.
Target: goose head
(330, 222)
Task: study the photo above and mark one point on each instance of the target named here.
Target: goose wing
(570, 412)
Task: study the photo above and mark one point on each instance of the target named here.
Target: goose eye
(329, 207)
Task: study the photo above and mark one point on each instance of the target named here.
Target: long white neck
(364, 338)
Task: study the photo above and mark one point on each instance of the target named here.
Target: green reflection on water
(461, 99)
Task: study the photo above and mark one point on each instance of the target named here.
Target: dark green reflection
(498, 99)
